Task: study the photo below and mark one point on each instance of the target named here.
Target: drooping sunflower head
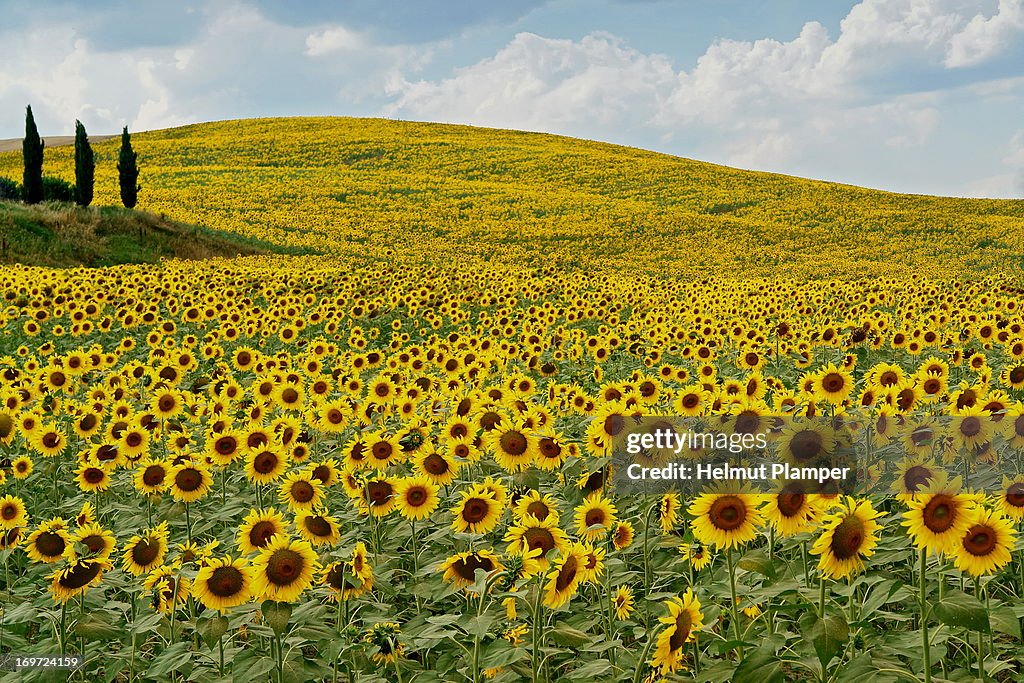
(461, 568)
(683, 621)
(77, 578)
(849, 535)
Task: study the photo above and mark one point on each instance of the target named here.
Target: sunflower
(328, 472)
(806, 441)
(258, 528)
(224, 448)
(342, 582)
(567, 572)
(623, 603)
(49, 542)
(849, 535)
(593, 563)
(12, 513)
(696, 554)
(21, 467)
(668, 512)
(791, 512)
(383, 450)
(682, 622)
(377, 496)
(938, 516)
(383, 638)
(461, 569)
(170, 588)
(77, 578)
(92, 477)
(189, 482)
(143, 553)
(301, 491)
(283, 569)
(513, 447)
(436, 467)
(986, 545)
(266, 464)
(476, 513)
(48, 441)
(691, 400)
(223, 583)
(622, 535)
(151, 476)
(97, 542)
(532, 534)
(87, 515)
(725, 519)
(594, 518)
(1011, 499)
(318, 528)
(537, 505)
(972, 426)
(416, 497)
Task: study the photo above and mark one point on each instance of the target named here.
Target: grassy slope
(60, 235)
(440, 194)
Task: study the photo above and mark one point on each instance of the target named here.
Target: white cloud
(334, 39)
(984, 37)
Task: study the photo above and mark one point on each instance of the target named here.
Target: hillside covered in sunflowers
(389, 458)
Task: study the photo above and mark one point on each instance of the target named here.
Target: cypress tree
(85, 166)
(32, 152)
(128, 171)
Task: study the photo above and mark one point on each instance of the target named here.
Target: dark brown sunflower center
(261, 533)
(567, 573)
(1015, 494)
(541, 538)
(318, 526)
(188, 480)
(379, 492)
(980, 540)
(226, 445)
(435, 464)
(145, 552)
(94, 475)
(302, 491)
(416, 496)
(549, 448)
(847, 538)
(8, 511)
(322, 473)
(79, 575)
(940, 513)
(284, 567)
(538, 509)
(595, 516)
(513, 443)
(684, 623)
(265, 462)
(154, 475)
(382, 450)
(466, 567)
(806, 445)
(614, 424)
(50, 544)
(791, 504)
(915, 477)
(970, 426)
(87, 422)
(289, 395)
(51, 439)
(691, 401)
(727, 513)
(94, 542)
(166, 403)
(475, 510)
(226, 582)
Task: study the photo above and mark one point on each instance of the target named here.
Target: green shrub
(57, 190)
(9, 189)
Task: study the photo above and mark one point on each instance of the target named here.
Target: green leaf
(960, 609)
(93, 627)
(212, 629)
(591, 670)
(760, 666)
(175, 657)
(500, 653)
(567, 636)
(826, 635)
(1003, 620)
(757, 561)
(277, 615)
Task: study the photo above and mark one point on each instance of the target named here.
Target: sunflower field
(390, 459)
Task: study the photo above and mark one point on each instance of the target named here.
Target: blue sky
(908, 95)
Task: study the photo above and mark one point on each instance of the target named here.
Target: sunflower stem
(538, 608)
(734, 605)
(926, 655)
(415, 565)
(188, 523)
(821, 597)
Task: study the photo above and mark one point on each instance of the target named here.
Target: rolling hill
(418, 193)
